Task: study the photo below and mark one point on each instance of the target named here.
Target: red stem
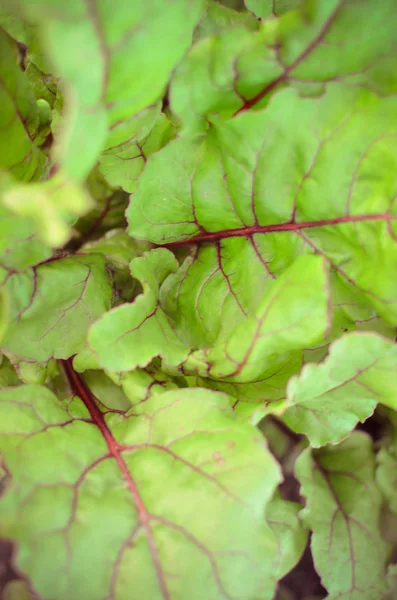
(278, 227)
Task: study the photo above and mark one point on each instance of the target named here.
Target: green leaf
(119, 249)
(53, 205)
(19, 119)
(8, 376)
(283, 519)
(326, 41)
(343, 511)
(245, 198)
(33, 372)
(386, 474)
(272, 8)
(219, 18)
(106, 391)
(292, 315)
(43, 85)
(19, 244)
(264, 395)
(130, 335)
(327, 400)
(391, 583)
(4, 312)
(123, 161)
(141, 384)
(130, 51)
(138, 494)
(53, 306)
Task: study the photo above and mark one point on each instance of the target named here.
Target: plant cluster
(198, 301)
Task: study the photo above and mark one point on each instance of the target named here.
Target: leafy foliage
(198, 301)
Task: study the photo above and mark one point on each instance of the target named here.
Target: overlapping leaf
(324, 41)
(327, 400)
(386, 474)
(292, 315)
(343, 511)
(53, 305)
(123, 161)
(19, 117)
(256, 192)
(282, 516)
(264, 187)
(130, 335)
(143, 498)
(131, 52)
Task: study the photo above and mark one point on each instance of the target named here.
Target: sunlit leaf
(327, 400)
(208, 523)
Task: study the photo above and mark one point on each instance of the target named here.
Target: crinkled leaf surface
(130, 335)
(292, 314)
(327, 400)
(53, 306)
(131, 52)
(19, 119)
(343, 511)
(264, 158)
(325, 41)
(245, 197)
(174, 487)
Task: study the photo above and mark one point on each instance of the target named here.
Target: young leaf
(176, 486)
(19, 118)
(343, 511)
(130, 335)
(327, 400)
(123, 78)
(53, 306)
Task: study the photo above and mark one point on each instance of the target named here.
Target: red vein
(278, 227)
(81, 389)
(306, 52)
